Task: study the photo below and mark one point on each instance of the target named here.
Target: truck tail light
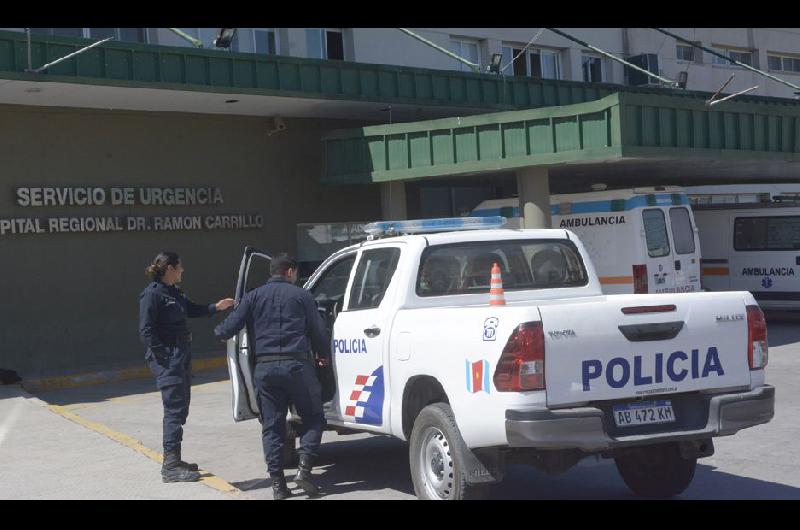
(521, 366)
(640, 279)
(757, 348)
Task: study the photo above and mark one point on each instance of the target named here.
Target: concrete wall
(70, 301)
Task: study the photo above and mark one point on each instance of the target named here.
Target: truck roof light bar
(420, 226)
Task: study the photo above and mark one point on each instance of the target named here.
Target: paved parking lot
(104, 442)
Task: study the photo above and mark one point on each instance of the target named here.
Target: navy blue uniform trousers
(174, 380)
(279, 383)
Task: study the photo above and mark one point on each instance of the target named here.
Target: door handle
(374, 331)
(677, 265)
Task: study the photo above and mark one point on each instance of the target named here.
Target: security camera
(278, 125)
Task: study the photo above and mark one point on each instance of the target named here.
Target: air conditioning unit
(646, 61)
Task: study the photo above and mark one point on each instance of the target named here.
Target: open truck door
(253, 271)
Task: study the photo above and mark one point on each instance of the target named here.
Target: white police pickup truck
(558, 373)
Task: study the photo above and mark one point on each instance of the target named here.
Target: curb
(46, 384)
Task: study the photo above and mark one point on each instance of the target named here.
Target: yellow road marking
(208, 479)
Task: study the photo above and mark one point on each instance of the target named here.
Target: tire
(656, 471)
(290, 446)
(437, 465)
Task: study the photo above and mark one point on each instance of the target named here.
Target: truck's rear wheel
(656, 471)
(437, 466)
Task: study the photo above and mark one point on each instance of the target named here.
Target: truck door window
(682, 232)
(767, 233)
(373, 275)
(655, 229)
(257, 273)
(333, 282)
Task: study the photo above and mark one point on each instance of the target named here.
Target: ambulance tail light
(521, 366)
(640, 279)
(757, 349)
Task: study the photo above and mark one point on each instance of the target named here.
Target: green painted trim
(658, 100)
(674, 153)
(137, 65)
(585, 155)
(478, 120)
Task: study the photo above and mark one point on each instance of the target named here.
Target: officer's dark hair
(282, 263)
(160, 263)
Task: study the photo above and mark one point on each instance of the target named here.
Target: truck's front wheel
(437, 465)
(656, 471)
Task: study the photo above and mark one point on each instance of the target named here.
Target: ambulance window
(767, 233)
(655, 229)
(373, 275)
(682, 233)
(333, 282)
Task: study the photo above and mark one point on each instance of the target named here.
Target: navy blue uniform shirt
(281, 318)
(163, 310)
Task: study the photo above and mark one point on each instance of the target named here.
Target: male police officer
(280, 318)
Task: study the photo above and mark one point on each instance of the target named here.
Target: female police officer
(163, 309)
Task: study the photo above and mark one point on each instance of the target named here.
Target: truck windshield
(465, 268)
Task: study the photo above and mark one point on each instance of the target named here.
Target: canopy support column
(534, 197)
(393, 201)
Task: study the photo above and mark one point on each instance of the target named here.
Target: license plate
(643, 413)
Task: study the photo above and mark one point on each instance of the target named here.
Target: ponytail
(156, 270)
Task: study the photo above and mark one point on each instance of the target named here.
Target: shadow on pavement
(369, 464)
(132, 387)
(604, 482)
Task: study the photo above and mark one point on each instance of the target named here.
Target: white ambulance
(750, 236)
(641, 240)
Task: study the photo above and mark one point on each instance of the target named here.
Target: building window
(688, 54)
(745, 57)
(255, 40)
(325, 43)
(537, 63)
(467, 49)
(592, 69)
(779, 63)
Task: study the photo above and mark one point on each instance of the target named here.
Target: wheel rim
(436, 464)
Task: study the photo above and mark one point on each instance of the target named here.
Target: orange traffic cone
(496, 293)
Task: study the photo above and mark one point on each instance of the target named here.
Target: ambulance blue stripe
(662, 199)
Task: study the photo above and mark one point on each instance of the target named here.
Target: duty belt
(293, 356)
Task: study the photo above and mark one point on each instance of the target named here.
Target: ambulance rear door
(659, 258)
(686, 248)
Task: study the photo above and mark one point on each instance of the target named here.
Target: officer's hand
(323, 362)
(225, 303)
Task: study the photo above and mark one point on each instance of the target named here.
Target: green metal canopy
(133, 65)
(617, 127)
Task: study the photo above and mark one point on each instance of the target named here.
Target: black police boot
(187, 465)
(303, 477)
(279, 489)
(171, 471)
